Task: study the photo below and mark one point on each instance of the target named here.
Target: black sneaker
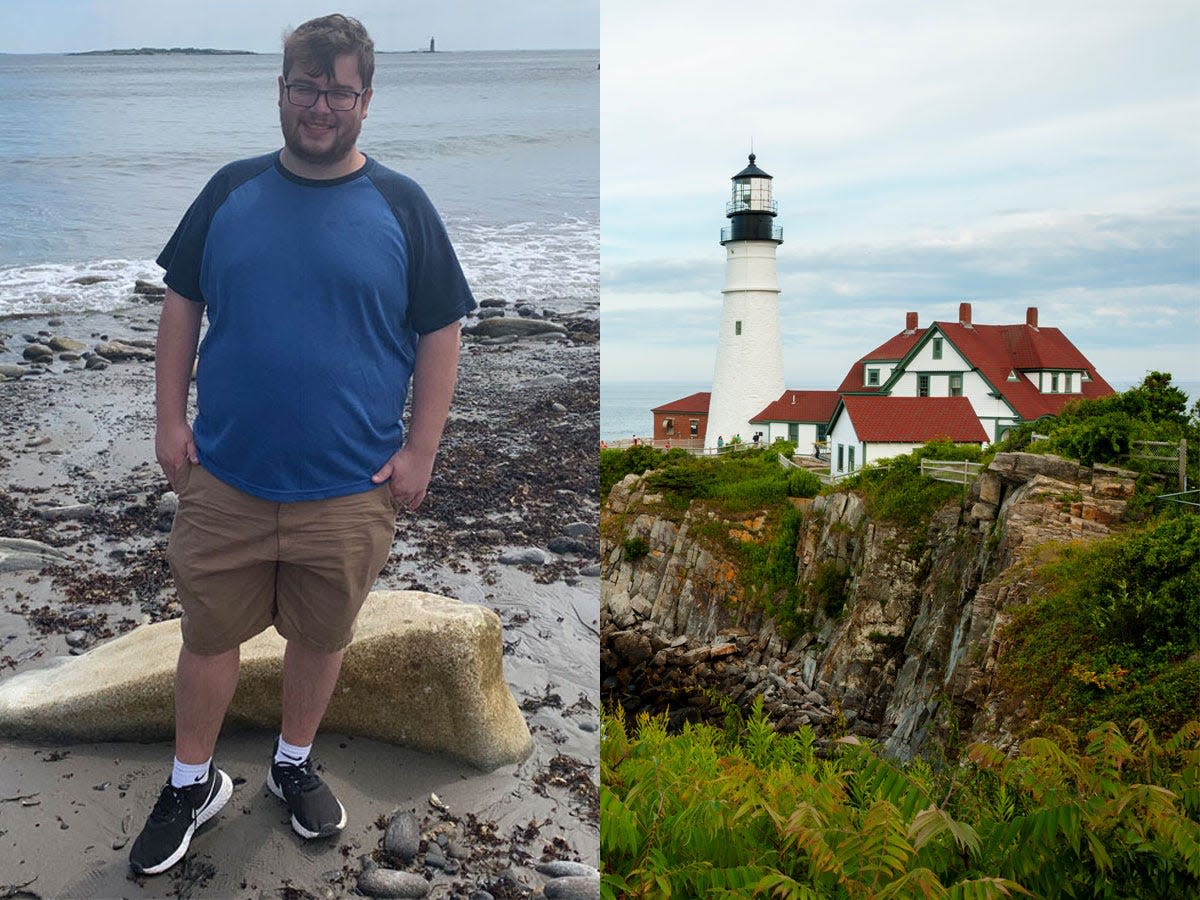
(175, 818)
(315, 811)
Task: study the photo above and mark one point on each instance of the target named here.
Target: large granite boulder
(423, 671)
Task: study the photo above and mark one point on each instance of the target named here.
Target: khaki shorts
(242, 563)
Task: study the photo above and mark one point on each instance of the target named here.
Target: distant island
(160, 51)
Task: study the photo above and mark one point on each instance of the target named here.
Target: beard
(345, 135)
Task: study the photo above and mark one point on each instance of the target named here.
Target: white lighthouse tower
(749, 370)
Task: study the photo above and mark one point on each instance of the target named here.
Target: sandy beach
(517, 468)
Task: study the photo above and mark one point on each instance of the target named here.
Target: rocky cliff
(911, 655)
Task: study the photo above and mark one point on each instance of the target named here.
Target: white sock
(290, 754)
(184, 775)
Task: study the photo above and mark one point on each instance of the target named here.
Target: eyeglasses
(339, 99)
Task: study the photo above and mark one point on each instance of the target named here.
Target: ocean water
(101, 155)
(625, 405)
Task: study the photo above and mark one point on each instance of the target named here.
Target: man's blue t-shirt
(316, 294)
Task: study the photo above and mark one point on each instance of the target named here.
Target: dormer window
(872, 377)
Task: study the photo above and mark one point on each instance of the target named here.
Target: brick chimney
(910, 322)
(1031, 317)
(964, 314)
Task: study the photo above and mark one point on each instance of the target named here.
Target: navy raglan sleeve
(184, 254)
(438, 293)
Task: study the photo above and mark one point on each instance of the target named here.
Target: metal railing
(1183, 498)
(734, 206)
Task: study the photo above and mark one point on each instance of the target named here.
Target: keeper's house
(866, 429)
(1001, 375)
(800, 417)
(683, 421)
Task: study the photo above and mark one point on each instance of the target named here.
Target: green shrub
(635, 548)
(1115, 625)
(802, 483)
(829, 587)
(616, 464)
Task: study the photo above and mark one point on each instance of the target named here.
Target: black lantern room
(751, 211)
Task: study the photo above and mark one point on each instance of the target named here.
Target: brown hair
(319, 42)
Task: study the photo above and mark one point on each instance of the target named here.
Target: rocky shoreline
(509, 524)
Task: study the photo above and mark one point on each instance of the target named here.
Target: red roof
(692, 403)
(891, 350)
(998, 350)
(800, 406)
(913, 420)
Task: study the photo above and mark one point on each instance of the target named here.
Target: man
(329, 282)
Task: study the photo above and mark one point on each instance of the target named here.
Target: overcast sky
(1008, 153)
(58, 26)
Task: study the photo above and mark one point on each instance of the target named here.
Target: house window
(737, 327)
(850, 459)
(873, 377)
(794, 432)
(694, 427)
(669, 426)
(937, 348)
(922, 385)
(1054, 382)
(841, 459)
(956, 384)
(822, 431)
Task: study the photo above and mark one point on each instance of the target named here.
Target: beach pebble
(66, 345)
(377, 881)
(168, 506)
(435, 858)
(565, 544)
(524, 555)
(589, 726)
(119, 843)
(492, 303)
(560, 868)
(97, 363)
(38, 352)
(59, 513)
(491, 535)
(489, 313)
(519, 327)
(582, 530)
(116, 351)
(481, 895)
(591, 571)
(573, 887)
(403, 836)
(12, 371)
(554, 379)
(527, 311)
(452, 866)
(69, 357)
(148, 289)
(457, 850)
(77, 638)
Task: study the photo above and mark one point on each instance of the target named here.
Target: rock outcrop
(423, 671)
(914, 646)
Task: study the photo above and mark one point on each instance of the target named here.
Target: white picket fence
(952, 471)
